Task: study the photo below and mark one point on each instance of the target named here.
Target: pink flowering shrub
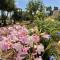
(17, 37)
(35, 38)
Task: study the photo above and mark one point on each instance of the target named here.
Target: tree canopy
(34, 5)
(7, 5)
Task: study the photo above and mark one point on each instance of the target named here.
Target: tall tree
(6, 5)
(33, 6)
(50, 10)
(55, 8)
(3, 6)
(10, 5)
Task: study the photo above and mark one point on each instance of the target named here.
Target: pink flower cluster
(17, 37)
(35, 38)
(46, 35)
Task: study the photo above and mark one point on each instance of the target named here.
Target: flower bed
(19, 43)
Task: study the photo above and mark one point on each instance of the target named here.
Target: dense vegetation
(32, 21)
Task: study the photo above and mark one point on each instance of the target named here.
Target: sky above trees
(22, 3)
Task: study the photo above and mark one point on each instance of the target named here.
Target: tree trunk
(3, 17)
(7, 14)
(2, 13)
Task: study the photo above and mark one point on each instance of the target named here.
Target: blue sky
(22, 3)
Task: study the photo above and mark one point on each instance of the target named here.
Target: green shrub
(48, 26)
(52, 27)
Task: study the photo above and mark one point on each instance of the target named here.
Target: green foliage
(10, 5)
(52, 27)
(48, 26)
(7, 5)
(33, 6)
(40, 16)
